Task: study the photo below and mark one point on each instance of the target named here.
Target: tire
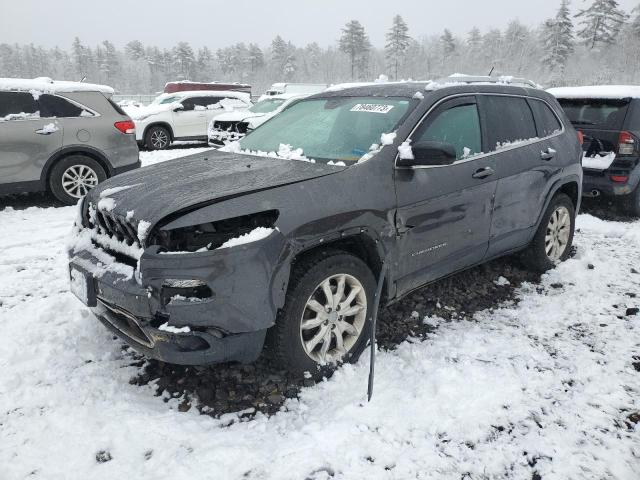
(537, 256)
(632, 203)
(287, 336)
(157, 138)
(73, 176)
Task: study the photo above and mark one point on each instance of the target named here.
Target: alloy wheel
(77, 180)
(333, 318)
(159, 139)
(558, 232)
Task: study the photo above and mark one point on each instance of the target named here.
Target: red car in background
(186, 86)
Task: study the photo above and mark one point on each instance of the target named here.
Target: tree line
(596, 44)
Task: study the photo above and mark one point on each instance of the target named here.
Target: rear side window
(602, 114)
(509, 120)
(52, 106)
(546, 121)
(18, 106)
(458, 126)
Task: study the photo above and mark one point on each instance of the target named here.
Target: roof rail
(508, 80)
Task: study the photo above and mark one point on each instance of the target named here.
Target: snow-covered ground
(545, 385)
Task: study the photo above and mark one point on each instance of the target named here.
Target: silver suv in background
(64, 137)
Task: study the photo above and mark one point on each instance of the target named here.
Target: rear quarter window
(547, 122)
(509, 120)
(603, 114)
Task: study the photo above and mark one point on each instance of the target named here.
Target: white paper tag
(371, 108)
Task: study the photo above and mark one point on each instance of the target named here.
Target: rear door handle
(483, 172)
(548, 154)
(43, 132)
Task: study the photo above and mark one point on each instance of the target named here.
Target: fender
(558, 184)
(70, 150)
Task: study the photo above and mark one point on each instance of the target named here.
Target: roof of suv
(47, 85)
(608, 92)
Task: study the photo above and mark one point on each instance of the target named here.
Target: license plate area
(82, 286)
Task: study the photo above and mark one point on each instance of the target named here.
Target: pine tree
(134, 50)
(110, 64)
(601, 23)
(448, 43)
(255, 58)
(557, 37)
(635, 23)
(284, 58)
(474, 39)
(82, 58)
(398, 41)
(355, 43)
(204, 64)
(184, 59)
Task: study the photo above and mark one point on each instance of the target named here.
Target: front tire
(157, 138)
(72, 177)
(554, 237)
(326, 316)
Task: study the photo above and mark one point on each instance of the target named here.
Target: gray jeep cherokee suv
(64, 137)
(194, 261)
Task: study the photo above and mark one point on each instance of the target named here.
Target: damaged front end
(197, 294)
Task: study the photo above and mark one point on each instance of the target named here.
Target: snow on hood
(612, 92)
(204, 178)
(47, 85)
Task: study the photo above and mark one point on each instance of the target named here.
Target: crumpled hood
(163, 189)
(237, 116)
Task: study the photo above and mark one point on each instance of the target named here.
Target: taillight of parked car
(626, 144)
(619, 178)
(580, 137)
(126, 126)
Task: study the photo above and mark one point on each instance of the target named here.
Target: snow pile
(385, 139)
(405, 151)
(254, 235)
(49, 128)
(41, 85)
(165, 327)
(514, 143)
(598, 162)
(611, 92)
(19, 116)
(286, 152)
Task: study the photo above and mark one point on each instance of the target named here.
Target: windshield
(337, 128)
(162, 100)
(604, 114)
(266, 106)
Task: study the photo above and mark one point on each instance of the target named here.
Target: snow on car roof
(597, 91)
(47, 85)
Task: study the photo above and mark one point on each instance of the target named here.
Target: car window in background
(602, 114)
(509, 120)
(52, 106)
(164, 100)
(458, 126)
(546, 121)
(337, 128)
(18, 106)
(267, 106)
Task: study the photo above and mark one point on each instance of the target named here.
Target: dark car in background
(64, 137)
(609, 119)
(283, 236)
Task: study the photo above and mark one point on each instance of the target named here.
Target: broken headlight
(209, 236)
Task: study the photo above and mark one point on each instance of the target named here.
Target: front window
(267, 106)
(330, 129)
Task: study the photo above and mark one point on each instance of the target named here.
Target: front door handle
(483, 172)
(548, 154)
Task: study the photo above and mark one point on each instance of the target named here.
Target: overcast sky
(215, 23)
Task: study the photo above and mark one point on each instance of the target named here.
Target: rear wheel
(72, 177)
(325, 319)
(157, 138)
(552, 242)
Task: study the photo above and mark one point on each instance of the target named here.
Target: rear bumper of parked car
(610, 183)
(228, 323)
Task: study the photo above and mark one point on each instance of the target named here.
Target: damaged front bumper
(188, 308)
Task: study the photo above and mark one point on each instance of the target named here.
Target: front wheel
(552, 242)
(326, 316)
(157, 138)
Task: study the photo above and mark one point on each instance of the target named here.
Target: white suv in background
(183, 115)
(232, 126)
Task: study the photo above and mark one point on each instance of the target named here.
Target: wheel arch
(162, 124)
(569, 186)
(74, 150)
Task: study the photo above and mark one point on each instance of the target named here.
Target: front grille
(125, 322)
(116, 227)
(225, 126)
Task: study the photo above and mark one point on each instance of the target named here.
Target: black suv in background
(193, 261)
(609, 118)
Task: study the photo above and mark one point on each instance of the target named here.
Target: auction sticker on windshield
(371, 108)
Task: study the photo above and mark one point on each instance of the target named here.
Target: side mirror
(178, 107)
(429, 154)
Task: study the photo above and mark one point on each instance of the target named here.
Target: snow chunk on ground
(502, 282)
